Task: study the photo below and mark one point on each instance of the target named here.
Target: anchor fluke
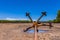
(44, 13)
(50, 25)
(28, 14)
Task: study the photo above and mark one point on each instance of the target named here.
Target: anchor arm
(27, 14)
(43, 14)
(50, 25)
(28, 28)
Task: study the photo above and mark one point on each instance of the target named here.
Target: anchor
(37, 23)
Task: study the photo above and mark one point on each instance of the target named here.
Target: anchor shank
(40, 18)
(27, 14)
(35, 34)
(43, 14)
(30, 18)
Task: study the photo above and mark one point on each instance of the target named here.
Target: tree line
(15, 21)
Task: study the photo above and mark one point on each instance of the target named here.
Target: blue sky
(16, 9)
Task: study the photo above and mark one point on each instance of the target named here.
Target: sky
(16, 9)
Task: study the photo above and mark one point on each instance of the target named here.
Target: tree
(58, 16)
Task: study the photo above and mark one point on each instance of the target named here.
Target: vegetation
(57, 20)
(15, 21)
(58, 17)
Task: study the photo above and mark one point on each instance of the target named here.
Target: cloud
(23, 19)
(16, 19)
(11, 19)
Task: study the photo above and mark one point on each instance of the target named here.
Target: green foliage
(50, 21)
(57, 20)
(58, 16)
(15, 21)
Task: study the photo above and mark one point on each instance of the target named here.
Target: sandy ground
(14, 31)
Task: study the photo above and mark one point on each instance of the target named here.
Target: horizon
(16, 9)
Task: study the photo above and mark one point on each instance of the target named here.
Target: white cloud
(23, 19)
(11, 19)
(16, 19)
(34, 19)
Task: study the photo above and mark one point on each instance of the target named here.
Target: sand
(14, 31)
